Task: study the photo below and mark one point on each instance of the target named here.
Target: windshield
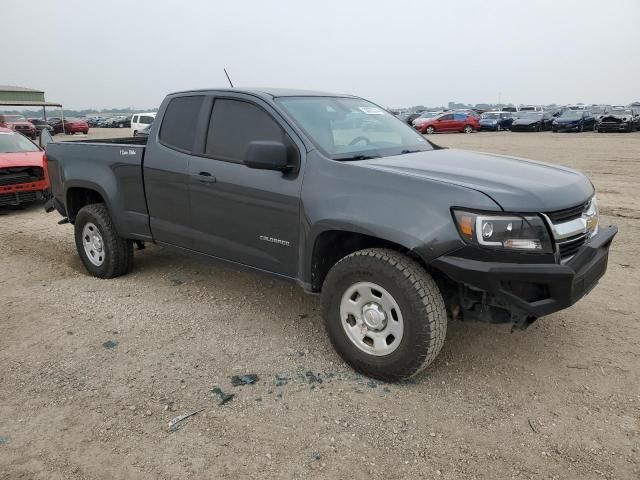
(352, 128)
(598, 110)
(530, 115)
(490, 115)
(429, 115)
(620, 111)
(15, 142)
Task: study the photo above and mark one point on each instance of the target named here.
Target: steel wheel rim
(93, 244)
(371, 318)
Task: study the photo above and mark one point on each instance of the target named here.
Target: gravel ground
(93, 370)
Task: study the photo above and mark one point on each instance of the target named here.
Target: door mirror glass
(45, 138)
(266, 155)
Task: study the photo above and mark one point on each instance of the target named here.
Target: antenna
(230, 82)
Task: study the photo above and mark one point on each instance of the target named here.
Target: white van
(141, 120)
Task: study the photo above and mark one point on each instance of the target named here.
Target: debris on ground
(224, 397)
(4, 440)
(109, 344)
(175, 282)
(280, 381)
(312, 378)
(248, 379)
(533, 426)
(175, 420)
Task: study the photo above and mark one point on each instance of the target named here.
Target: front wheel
(498, 128)
(103, 253)
(384, 314)
(468, 129)
(430, 130)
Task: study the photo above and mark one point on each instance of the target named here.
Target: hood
(516, 184)
(526, 121)
(616, 116)
(568, 120)
(21, 159)
(20, 124)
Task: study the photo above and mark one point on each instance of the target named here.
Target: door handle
(206, 177)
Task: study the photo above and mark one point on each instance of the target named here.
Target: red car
(23, 177)
(19, 124)
(71, 126)
(450, 122)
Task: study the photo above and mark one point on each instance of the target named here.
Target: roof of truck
(270, 92)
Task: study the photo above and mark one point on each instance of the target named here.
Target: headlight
(592, 215)
(512, 232)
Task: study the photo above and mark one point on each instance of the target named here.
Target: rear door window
(235, 123)
(179, 122)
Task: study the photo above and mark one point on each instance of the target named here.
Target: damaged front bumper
(520, 293)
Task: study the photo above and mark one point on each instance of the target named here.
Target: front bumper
(572, 127)
(524, 128)
(614, 127)
(534, 290)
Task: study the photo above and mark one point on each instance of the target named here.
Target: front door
(241, 214)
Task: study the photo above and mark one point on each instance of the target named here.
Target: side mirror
(45, 138)
(266, 155)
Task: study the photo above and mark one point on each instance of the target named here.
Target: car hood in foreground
(516, 184)
(21, 159)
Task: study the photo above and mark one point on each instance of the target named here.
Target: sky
(119, 54)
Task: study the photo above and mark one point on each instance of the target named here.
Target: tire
(498, 128)
(112, 256)
(467, 129)
(429, 130)
(581, 127)
(420, 314)
(135, 133)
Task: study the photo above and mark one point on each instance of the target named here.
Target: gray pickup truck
(337, 195)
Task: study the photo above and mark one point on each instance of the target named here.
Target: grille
(569, 247)
(568, 214)
(19, 197)
(15, 176)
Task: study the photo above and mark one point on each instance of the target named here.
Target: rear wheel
(384, 314)
(467, 129)
(103, 253)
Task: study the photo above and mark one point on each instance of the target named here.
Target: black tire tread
(424, 292)
(119, 260)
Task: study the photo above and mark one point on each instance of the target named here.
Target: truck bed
(110, 166)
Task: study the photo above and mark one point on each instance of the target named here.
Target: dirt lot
(91, 371)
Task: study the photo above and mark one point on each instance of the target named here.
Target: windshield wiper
(357, 157)
(410, 151)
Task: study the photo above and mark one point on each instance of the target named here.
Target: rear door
(241, 214)
(166, 170)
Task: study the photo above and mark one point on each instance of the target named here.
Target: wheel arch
(331, 245)
(81, 194)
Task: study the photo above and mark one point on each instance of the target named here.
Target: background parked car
(22, 175)
(117, 121)
(450, 122)
(620, 120)
(532, 121)
(40, 125)
(143, 132)
(19, 124)
(71, 126)
(574, 121)
(141, 120)
(496, 121)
